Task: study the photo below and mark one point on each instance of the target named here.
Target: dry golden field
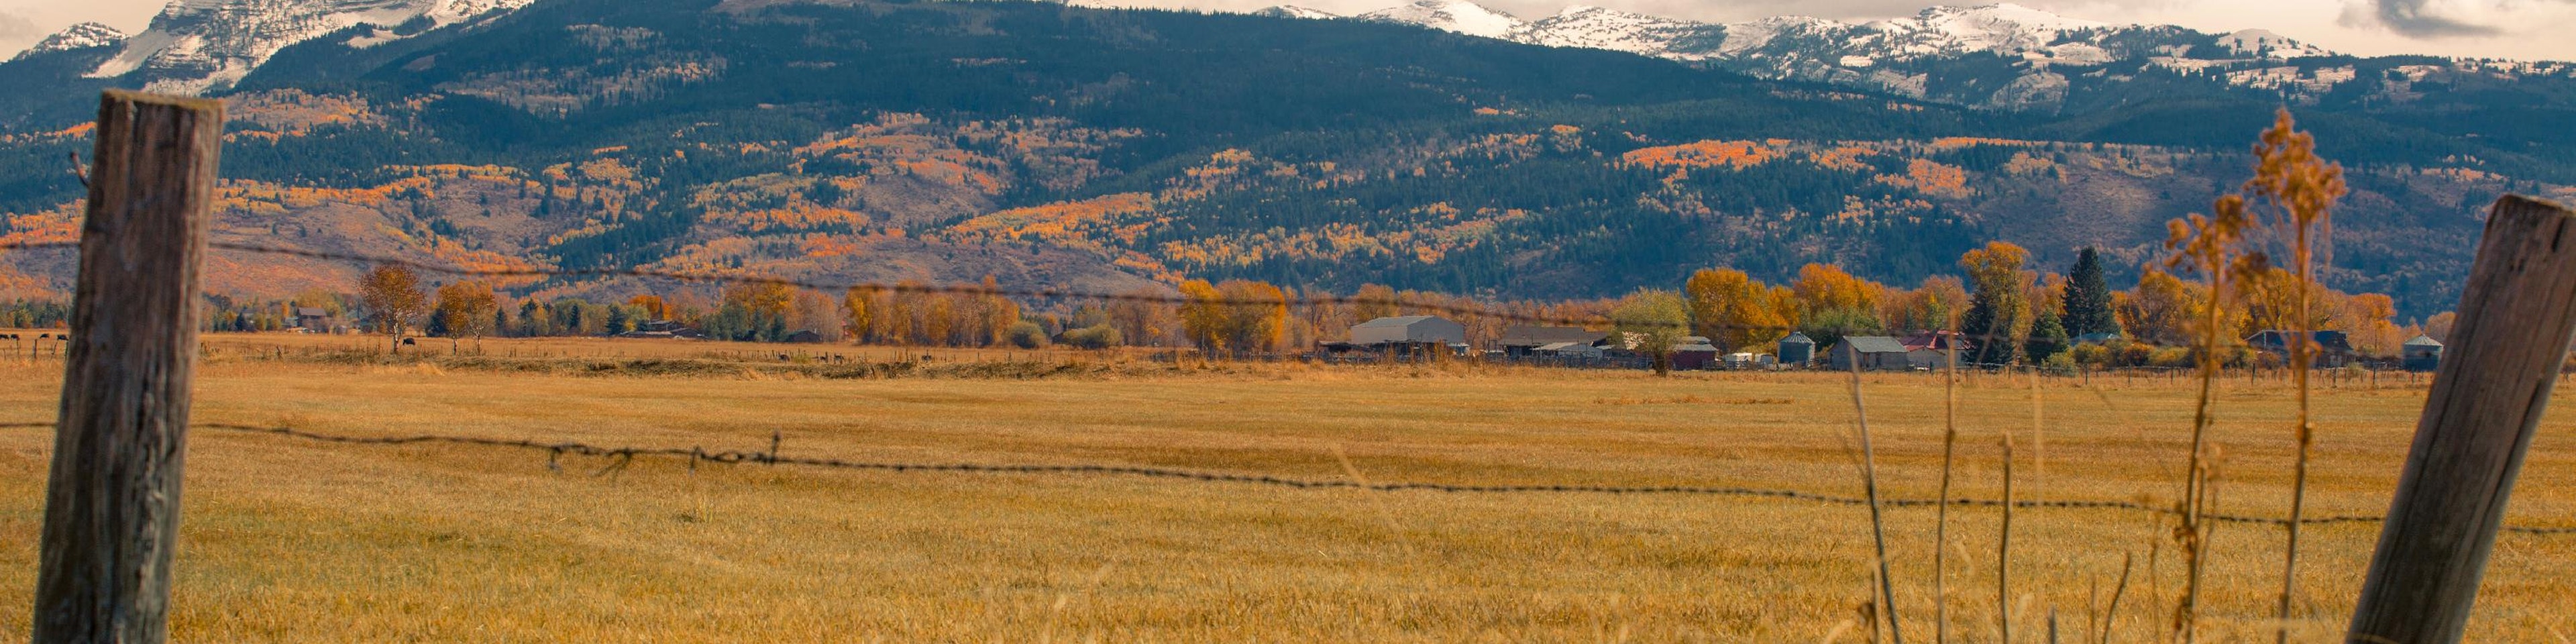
(294, 540)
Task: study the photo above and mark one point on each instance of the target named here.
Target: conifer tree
(2048, 337)
(2088, 298)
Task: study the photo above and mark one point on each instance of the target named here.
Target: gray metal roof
(1538, 335)
(1874, 344)
(2423, 341)
(1796, 337)
(1402, 320)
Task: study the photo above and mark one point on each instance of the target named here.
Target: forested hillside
(1041, 144)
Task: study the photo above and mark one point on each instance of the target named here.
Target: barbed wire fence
(620, 457)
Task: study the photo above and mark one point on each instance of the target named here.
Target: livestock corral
(621, 490)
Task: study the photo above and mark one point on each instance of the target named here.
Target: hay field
(291, 540)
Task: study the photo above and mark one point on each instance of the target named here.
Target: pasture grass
(289, 540)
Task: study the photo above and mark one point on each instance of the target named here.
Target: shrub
(1099, 336)
(2170, 357)
(1026, 335)
(2091, 354)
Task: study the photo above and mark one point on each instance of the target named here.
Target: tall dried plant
(2211, 245)
(1877, 526)
(2299, 190)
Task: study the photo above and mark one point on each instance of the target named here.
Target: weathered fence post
(2515, 318)
(112, 498)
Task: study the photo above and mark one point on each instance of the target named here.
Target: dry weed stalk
(2209, 245)
(1877, 526)
(2111, 614)
(2301, 190)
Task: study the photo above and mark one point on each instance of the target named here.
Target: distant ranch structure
(1870, 352)
(1408, 330)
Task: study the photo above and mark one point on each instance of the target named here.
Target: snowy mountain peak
(1599, 28)
(2007, 15)
(2261, 43)
(81, 36)
(1294, 11)
(1458, 16)
(1961, 30)
(194, 46)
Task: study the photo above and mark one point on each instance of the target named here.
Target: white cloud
(44, 17)
(17, 32)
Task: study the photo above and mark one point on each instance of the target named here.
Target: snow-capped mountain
(2265, 44)
(1932, 55)
(195, 46)
(1294, 11)
(1458, 16)
(81, 36)
(1598, 28)
(1997, 56)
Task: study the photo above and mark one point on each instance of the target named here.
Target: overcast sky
(2529, 29)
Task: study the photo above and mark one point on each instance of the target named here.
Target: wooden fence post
(112, 497)
(2515, 318)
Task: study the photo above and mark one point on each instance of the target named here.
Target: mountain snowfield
(1936, 48)
(197, 46)
(1938, 31)
(1938, 55)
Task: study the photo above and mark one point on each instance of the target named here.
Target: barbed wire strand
(623, 456)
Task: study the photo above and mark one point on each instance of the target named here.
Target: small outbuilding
(2422, 354)
(1521, 341)
(1870, 352)
(1797, 350)
(312, 320)
(1700, 356)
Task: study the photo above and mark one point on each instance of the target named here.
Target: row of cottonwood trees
(2012, 310)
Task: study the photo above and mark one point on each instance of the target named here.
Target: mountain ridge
(1049, 145)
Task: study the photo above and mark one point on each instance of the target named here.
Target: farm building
(664, 329)
(1870, 352)
(1797, 349)
(1583, 350)
(1410, 329)
(2421, 354)
(1699, 356)
(1410, 334)
(1931, 349)
(1525, 340)
(2334, 349)
(312, 320)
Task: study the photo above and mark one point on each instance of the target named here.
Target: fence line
(622, 456)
